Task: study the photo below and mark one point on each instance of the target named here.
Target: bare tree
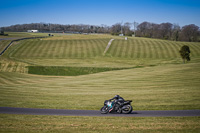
(116, 29)
(127, 29)
(175, 32)
(189, 33)
(165, 30)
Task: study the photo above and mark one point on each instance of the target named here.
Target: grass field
(89, 52)
(22, 34)
(3, 44)
(157, 80)
(176, 87)
(68, 124)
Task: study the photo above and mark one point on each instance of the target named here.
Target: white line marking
(109, 43)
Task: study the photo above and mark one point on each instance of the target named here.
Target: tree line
(48, 27)
(166, 31)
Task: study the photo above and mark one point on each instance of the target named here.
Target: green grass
(67, 71)
(150, 49)
(60, 49)
(3, 44)
(166, 87)
(23, 34)
(68, 124)
(162, 83)
(89, 52)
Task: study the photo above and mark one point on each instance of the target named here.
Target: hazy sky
(97, 12)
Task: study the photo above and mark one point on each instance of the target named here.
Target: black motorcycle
(113, 106)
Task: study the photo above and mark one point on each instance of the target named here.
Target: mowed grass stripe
(162, 50)
(82, 46)
(28, 51)
(61, 49)
(135, 48)
(34, 52)
(94, 48)
(45, 48)
(169, 49)
(52, 49)
(69, 48)
(88, 50)
(155, 49)
(174, 50)
(132, 48)
(65, 49)
(79, 49)
(40, 49)
(8, 79)
(145, 49)
(128, 49)
(20, 49)
(99, 47)
(57, 46)
(152, 48)
(76, 50)
(194, 49)
(3, 44)
(177, 47)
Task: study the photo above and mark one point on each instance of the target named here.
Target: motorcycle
(113, 106)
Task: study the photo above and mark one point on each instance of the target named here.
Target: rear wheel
(104, 110)
(127, 109)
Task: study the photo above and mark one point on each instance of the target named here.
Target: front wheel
(127, 109)
(104, 110)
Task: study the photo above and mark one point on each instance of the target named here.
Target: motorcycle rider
(118, 101)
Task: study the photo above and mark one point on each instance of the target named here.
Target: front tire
(127, 109)
(104, 110)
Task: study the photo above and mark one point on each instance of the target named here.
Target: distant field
(150, 49)
(22, 34)
(89, 52)
(61, 49)
(131, 49)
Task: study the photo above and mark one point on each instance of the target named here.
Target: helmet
(117, 96)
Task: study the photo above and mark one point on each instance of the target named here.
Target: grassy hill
(168, 87)
(135, 51)
(156, 80)
(87, 51)
(155, 72)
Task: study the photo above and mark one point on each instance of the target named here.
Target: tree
(165, 30)
(127, 29)
(144, 29)
(185, 53)
(116, 29)
(175, 32)
(189, 33)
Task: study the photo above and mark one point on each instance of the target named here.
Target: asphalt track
(64, 112)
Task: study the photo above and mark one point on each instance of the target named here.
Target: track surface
(63, 112)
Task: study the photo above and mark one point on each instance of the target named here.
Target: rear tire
(127, 109)
(104, 110)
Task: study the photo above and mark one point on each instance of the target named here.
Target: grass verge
(67, 124)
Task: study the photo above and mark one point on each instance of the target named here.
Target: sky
(98, 12)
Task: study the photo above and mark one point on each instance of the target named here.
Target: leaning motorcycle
(113, 106)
